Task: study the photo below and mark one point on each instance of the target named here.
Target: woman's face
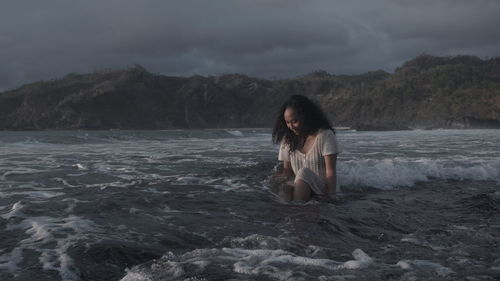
(291, 120)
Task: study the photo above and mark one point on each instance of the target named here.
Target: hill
(426, 92)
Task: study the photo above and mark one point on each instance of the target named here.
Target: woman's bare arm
(285, 174)
(331, 174)
(281, 179)
(287, 169)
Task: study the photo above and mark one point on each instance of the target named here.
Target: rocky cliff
(426, 92)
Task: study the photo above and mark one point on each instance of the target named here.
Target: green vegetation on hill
(426, 92)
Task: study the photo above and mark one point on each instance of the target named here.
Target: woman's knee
(303, 173)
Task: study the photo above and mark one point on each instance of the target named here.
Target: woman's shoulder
(326, 133)
(329, 142)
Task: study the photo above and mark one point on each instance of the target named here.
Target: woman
(308, 149)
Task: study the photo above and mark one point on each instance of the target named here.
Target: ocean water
(198, 205)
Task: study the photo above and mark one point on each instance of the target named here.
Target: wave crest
(390, 173)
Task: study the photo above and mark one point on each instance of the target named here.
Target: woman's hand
(285, 174)
(279, 179)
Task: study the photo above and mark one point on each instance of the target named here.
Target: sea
(199, 205)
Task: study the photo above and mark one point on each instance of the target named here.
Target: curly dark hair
(311, 118)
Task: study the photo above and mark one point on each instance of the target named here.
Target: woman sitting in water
(308, 149)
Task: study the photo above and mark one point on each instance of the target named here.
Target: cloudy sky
(261, 38)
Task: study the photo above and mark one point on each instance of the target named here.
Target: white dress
(310, 167)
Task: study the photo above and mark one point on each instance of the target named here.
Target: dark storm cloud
(263, 38)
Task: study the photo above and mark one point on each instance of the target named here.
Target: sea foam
(235, 133)
(390, 173)
(50, 237)
(278, 264)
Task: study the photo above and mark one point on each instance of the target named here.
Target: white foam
(136, 276)
(37, 194)
(65, 261)
(257, 241)
(413, 240)
(72, 204)
(403, 264)
(189, 180)
(361, 260)
(235, 183)
(103, 186)
(52, 237)
(436, 267)
(460, 227)
(277, 264)
(80, 166)
(235, 133)
(64, 182)
(167, 209)
(338, 277)
(164, 266)
(15, 211)
(231, 184)
(77, 224)
(388, 173)
(21, 171)
(273, 263)
(134, 211)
